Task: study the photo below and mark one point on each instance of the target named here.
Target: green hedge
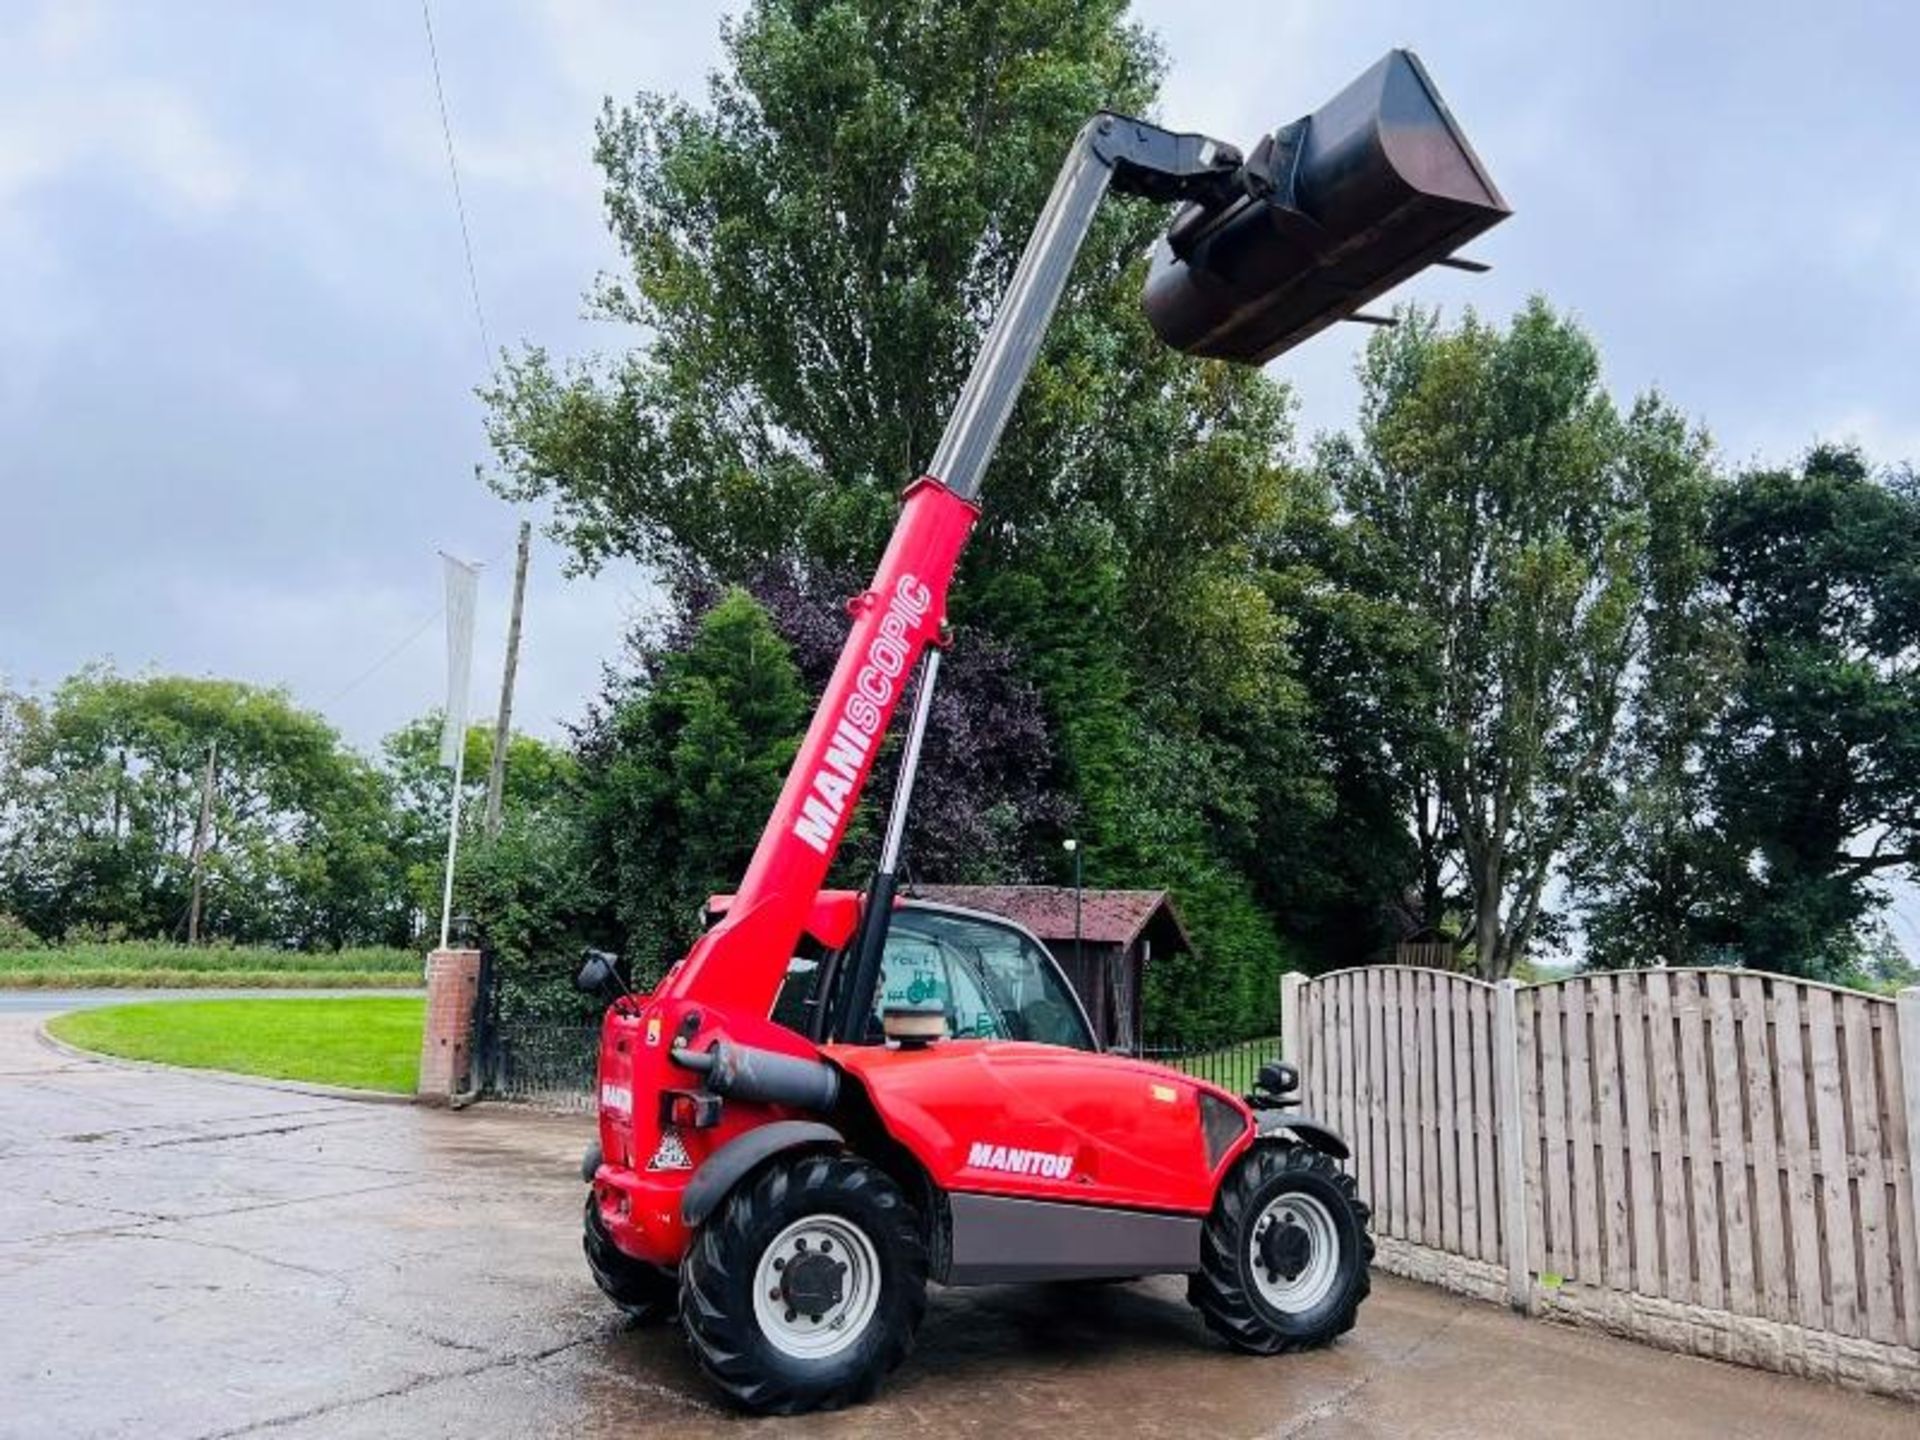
(150, 965)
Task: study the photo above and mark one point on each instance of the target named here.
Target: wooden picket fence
(1742, 1145)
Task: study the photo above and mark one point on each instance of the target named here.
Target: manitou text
(983, 1156)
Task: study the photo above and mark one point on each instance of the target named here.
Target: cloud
(1884, 438)
(148, 134)
(236, 413)
(72, 122)
(596, 48)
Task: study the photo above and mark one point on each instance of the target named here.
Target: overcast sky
(237, 348)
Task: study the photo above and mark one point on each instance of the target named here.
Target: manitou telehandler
(834, 1099)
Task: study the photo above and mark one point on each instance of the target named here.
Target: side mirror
(1277, 1078)
(1329, 213)
(599, 972)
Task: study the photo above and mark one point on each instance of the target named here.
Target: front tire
(805, 1290)
(646, 1292)
(1285, 1254)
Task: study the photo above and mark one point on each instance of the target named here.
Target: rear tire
(646, 1292)
(1285, 1254)
(804, 1291)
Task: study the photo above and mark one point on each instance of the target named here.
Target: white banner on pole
(462, 581)
(462, 584)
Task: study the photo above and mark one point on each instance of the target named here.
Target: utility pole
(502, 728)
(200, 844)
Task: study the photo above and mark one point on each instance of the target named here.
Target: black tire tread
(1220, 1291)
(647, 1293)
(723, 1341)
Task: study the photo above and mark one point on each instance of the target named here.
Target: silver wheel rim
(1315, 1279)
(793, 1332)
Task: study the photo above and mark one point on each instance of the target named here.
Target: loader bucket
(1337, 208)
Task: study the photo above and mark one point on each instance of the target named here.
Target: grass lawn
(150, 965)
(1232, 1067)
(366, 1043)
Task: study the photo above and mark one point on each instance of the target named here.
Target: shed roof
(1107, 917)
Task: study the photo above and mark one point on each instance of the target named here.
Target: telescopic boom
(1327, 213)
(741, 961)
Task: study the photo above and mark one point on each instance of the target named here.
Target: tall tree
(496, 884)
(540, 778)
(1382, 863)
(107, 799)
(1501, 499)
(1816, 768)
(681, 767)
(811, 260)
(991, 754)
(1652, 863)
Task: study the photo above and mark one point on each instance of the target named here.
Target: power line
(371, 670)
(453, 172)
(387, 656)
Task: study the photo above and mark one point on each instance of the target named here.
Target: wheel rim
(1293, 1253)
(816, 1287)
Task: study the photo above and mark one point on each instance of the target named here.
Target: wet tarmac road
(187, 1256)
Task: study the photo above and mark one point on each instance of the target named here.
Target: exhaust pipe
(766, 1077)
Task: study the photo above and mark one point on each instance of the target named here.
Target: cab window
(793, 1006)
(992, 981)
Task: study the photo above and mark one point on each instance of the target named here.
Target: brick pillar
(446, 1044)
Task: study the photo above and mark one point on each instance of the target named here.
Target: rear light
(689, 1110)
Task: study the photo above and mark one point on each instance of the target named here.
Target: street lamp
(1073, 849)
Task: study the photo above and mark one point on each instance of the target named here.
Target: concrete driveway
(187, 1256)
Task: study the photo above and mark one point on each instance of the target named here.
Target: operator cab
(985, 976)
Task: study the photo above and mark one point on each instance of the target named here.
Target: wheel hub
(1285, 1249)
(817, 1286)
(1293, 1254)
(812, 1283)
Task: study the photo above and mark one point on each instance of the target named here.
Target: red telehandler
(834, 1099)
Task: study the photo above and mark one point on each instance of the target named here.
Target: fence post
(1292, 990)
(1908, 1003)
(1509, 1126)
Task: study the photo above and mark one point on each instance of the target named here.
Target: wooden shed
(1121, 931)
